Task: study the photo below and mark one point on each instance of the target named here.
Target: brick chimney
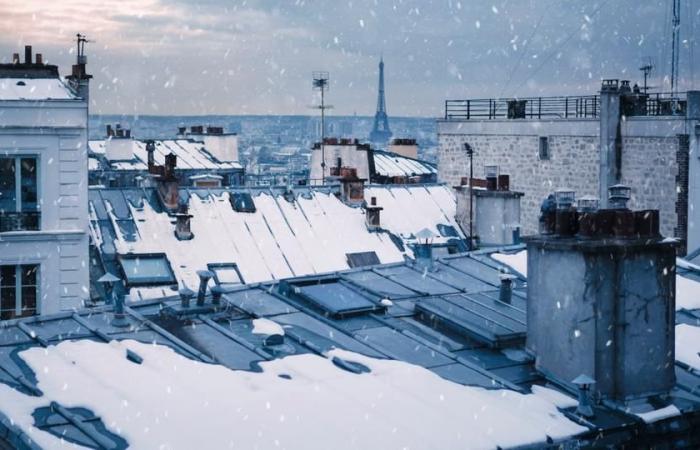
(601, 304)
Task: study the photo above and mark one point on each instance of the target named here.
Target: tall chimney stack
(27, 54)
(602, 304)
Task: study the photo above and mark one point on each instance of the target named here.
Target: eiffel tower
(380, 131)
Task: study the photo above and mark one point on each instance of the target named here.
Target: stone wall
(649, 166)
(573, 163)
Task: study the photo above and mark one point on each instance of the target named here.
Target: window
(362, 259)
(151, 269)
(19, 202)
(226, 273)
(18, 291)
(544, 148)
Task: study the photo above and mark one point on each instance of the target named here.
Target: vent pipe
(216, 294)
(424, 249)
(584, 383)
(186, 295)
(204, 277)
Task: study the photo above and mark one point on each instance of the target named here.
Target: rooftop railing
(579, 107)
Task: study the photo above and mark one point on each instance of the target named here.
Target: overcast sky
(256, 56)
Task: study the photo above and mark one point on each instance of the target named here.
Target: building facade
(43, 188)
(646, 141)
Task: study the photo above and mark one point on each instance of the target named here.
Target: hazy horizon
(218, 57)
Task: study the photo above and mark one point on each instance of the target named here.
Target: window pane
(8, 201)
(29, 274)
(29, 184)
(147, 270)
(7, 276)
(28, 301)
(8, 295)
(227, 275)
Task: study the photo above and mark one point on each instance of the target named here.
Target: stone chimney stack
(610, 137)
(601, 304)
(79, 78)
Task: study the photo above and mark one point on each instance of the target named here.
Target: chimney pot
(216, 294)
(204, 277)
(505, 293)
(186, 295)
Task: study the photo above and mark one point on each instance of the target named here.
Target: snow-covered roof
(312, 234)
(35, 89)
(389, 164)
(191, 154)
(387, 377)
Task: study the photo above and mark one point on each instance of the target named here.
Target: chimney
(372, 215)
(505, 292)
(27, 54)
(39, 59)
(150, 151)
(610, 138)
(352, 187)
(183, 231)
(204, 277)
(404, 147)
(491, 177)
(15, 58)
(424, 250)
(495, 214)
(110, 133)
(170, 165)
(604, 307)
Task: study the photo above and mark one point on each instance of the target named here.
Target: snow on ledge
(660, 414)
(173, 402)
(267, 327)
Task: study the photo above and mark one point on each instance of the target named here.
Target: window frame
(146, 282)
(543, 153)
(18, 207)
(19, 289)
(214, 267)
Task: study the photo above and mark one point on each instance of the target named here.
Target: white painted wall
(223, 147)
(56, 132)
(351, 157)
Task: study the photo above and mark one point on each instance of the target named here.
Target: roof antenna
(646, 69)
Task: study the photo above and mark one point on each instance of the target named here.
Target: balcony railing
(581, 107)
(19, 221)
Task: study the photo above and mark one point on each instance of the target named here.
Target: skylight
(147, 270)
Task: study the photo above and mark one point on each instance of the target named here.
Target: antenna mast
(675, 45)
(646, 68)
(321, 83)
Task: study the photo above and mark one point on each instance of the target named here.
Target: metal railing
(20, 221)
(524, 108)
(579, 107)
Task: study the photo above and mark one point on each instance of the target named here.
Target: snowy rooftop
(35, 89)
(388, 374)
(191, 154)
(389, 164)
(279, 238)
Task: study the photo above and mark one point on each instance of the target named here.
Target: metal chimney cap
(425, 234)
(186, 292)
(583, 380)
(108, 278)
(205, 274)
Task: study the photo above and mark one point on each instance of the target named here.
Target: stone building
(646, 141)
(43, 187)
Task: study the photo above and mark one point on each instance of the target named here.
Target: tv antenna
(646, 69)
(675, 44)
(321, 82)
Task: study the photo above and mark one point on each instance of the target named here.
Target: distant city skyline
(170, 57)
